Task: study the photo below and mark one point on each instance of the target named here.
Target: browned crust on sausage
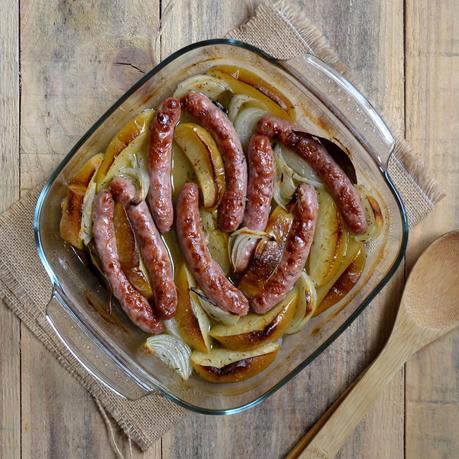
(232, 205)
(159, 163)
(152, 247)
(205, 270)
(334, 178)
(295, 253)
(259, 192)
(132, 302)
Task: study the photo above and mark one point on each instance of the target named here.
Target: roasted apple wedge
(254, 330)
(373, 216)
(330, 241)
(224, 366)
(72, 204)
(354, 250)
(202, 152)
(135, 127)
(129, 253)
(192, 321)
(238, 86)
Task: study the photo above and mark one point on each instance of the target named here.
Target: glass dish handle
(346, 102)
(94, 359)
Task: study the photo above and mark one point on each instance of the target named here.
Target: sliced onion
(172, 328)
(246, 122)
(302, 171)
(210, 86)
(238, 242)
(212, 310)
(306, 303)
(86, 214)
(236, 104)
(172, 351)
(284, 184)
(373, 216)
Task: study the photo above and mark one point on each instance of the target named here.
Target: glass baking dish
(109, 346)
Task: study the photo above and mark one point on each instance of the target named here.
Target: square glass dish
(109, 346)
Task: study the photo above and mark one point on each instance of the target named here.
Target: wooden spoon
(428, 310)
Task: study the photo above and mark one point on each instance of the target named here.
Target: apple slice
(345, 282)
(354, 249)
(135, 127)
(267, 253)
(239, 87)
(72, 204)
(253, 330)
(192, 321)
(129, 253)
(254, 80)
(204, 156)
(373, 216)
(224, 366)
(330, 241)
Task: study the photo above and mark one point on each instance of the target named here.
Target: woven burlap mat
(25, 287)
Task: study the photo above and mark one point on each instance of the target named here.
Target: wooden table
(63, 63)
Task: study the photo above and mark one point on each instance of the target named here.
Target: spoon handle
(355, 405)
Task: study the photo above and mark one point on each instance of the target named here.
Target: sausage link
(295, 253)
(159, 163)
(334, 178)
(205, 270)
(132, 302)
(154, 252)
(259, 192)
(232, 205)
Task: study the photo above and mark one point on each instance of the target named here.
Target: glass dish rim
(375, 291)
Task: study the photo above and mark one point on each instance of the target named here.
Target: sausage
(154, 252)
(311, 149)
(205, 270)
(159, 163)
(132, 302)
(296, 251)
(232, 205)
(259, 192)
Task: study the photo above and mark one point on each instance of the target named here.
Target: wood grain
(432, 122)
(369, 38)
(10, 401)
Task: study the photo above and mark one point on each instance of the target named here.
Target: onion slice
(306, 304)
(238, 242)
(211, 309)
(172, 351)
(205, 84)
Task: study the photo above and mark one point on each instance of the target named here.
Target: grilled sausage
(295, 253)
(311, 150)
(232, 205)
(159, 163)
(133, 303)
(259, 192)
(153, 250)
(205, 270)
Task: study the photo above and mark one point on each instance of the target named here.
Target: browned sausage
(232, 205)
(205, 270)
(153, 250)
(259, 192)
(334, 178)
(295, 253)
(133, 303)
(159, 163)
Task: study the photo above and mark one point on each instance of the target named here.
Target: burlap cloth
(25, 287)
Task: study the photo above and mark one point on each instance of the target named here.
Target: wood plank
(77, 58)
(432, 121)
(369, 38)
(10, 400)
